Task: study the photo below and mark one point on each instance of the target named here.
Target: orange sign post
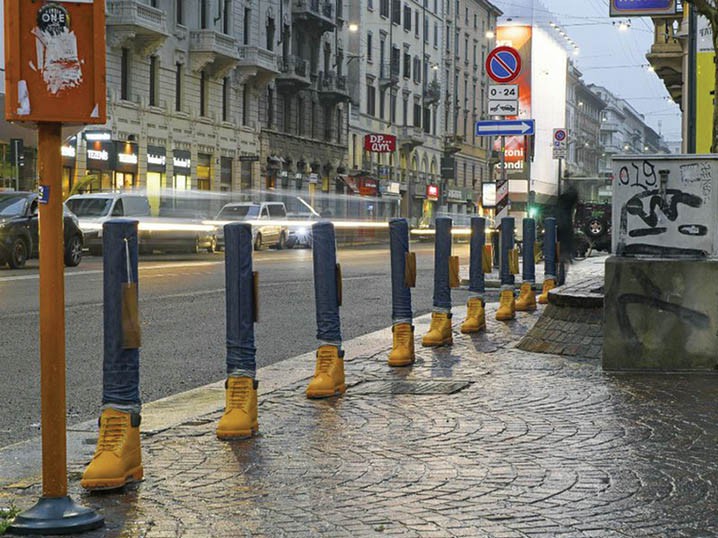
(55, 75)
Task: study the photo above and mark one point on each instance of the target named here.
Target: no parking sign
(560, 143)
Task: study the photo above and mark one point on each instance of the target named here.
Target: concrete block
(661, 314)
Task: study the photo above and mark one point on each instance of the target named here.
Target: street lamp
(353, 27)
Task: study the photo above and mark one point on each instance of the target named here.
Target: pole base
(56, 515)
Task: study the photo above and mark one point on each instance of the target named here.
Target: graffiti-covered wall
(665, 206)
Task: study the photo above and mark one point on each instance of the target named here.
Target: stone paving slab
(537, 445)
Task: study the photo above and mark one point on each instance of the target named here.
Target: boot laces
(238, 395)
(325, 359)
(112, 433)
(403, 335)
(506, 298)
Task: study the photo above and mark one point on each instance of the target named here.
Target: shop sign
(488, 194)
(126, 156)
(68, 152)
(98, 155)
(314, 178)
(454, 194)
(380, 143)
(368, 187)
(432, 192)
(248, 158)
(156, 159)
(394, 188)
(181, 162)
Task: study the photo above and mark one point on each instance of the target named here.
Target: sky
(608, 56)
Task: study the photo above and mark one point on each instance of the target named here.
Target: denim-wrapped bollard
(475, 314)
(440, 329)
(402, 352)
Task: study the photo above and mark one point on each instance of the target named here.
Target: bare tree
(709, 9)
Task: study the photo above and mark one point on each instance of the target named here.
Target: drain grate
(411, 387)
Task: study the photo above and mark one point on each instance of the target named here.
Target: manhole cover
(410, 387)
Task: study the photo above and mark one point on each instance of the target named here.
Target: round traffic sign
(503, 64)
(559, 135)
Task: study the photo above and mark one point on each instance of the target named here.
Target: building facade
(184, 85)
(470, 35)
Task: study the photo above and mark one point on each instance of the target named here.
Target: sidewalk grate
(410, 387)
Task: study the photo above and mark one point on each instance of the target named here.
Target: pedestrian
(564, 222)
(239, 420)
(328, 377)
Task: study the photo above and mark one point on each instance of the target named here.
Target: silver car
(268, 220)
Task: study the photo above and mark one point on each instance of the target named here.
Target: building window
(370, 5)
(312, 125)
(270, 33)
(436, 35)
(328, 115)
(300, 109)
(405, 110)
(417, 115)
(287, 113)
(125, 75)
(476, 24)
(407, 65)
(204, 169)
(382, 95)
(225, 99)
(426, 30)
(203, 22)
(384, 8)
(203, 93)
(154, 75)
(416, 23)
(340, 126)
(369, 47)
(179, 11)
(178, 88)
(226, 16)
(247, 25)
(245, 105)
(417, 70)
(427, 120)
(392, 107)
(396, 11)
(270, 107)
(407, 18)
(370, 100)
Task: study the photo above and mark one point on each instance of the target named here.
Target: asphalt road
(183, 322)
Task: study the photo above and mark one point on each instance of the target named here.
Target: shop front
(225, 174)
(100, 163)
(69, 162)
(455, 201)
(125, 172)
(428, 210)
(246, 163)
(204, 171)
(182, 170)
(156, 176)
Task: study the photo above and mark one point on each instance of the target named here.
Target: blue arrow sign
(505, 127)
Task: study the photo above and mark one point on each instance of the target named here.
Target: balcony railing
(253, 56)
(211, 41)
(317, 12)
(389, 73)
(136, 14)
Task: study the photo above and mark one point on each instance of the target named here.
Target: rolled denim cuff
(241, 372)
(123, 408)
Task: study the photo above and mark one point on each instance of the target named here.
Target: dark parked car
(19, 231)
(592, 223)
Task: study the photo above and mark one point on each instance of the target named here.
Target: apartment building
(303, 112)
(395, 79)
(185, 79)
(470, 35)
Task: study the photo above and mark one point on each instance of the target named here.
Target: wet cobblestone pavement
(535, 445)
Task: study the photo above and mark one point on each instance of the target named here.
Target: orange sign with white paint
(55, 61)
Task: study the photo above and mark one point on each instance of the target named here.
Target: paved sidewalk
(523, 444)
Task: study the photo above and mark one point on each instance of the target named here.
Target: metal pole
(560, 162)
(692, 79)
(52, 315)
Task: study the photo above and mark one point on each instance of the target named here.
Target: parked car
(592, 224)
(267, 220)
(19, 239)
(300, 234)
(154, 232)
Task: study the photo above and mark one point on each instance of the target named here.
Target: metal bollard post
(400, 292)
(495, 246)
(476, 270)
(121, 366)
(507, 245)
(442, 253)
(529, 262)
(325, 283)
(549, 248)
(241, 310)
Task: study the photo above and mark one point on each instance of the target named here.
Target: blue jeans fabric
(507, 244)
(442, 252)
(325, 283)
(241, 351)
(120, 366)
(549, 247)
(400, 293)
(529, 268)
(477, 285)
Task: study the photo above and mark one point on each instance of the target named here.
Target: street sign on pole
(505, 127)
(503, 92)
(504, 108)
(560, 143)
(503, 64)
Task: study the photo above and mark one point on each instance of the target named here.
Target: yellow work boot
(328, 377)
(118, 458)
(507, 306)
(475, 316)
(439, 331)
(402, 352)
(240, 413)
(527, 298)
(548, 285)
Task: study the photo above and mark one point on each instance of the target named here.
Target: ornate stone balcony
(214, 50)
(133, 22)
